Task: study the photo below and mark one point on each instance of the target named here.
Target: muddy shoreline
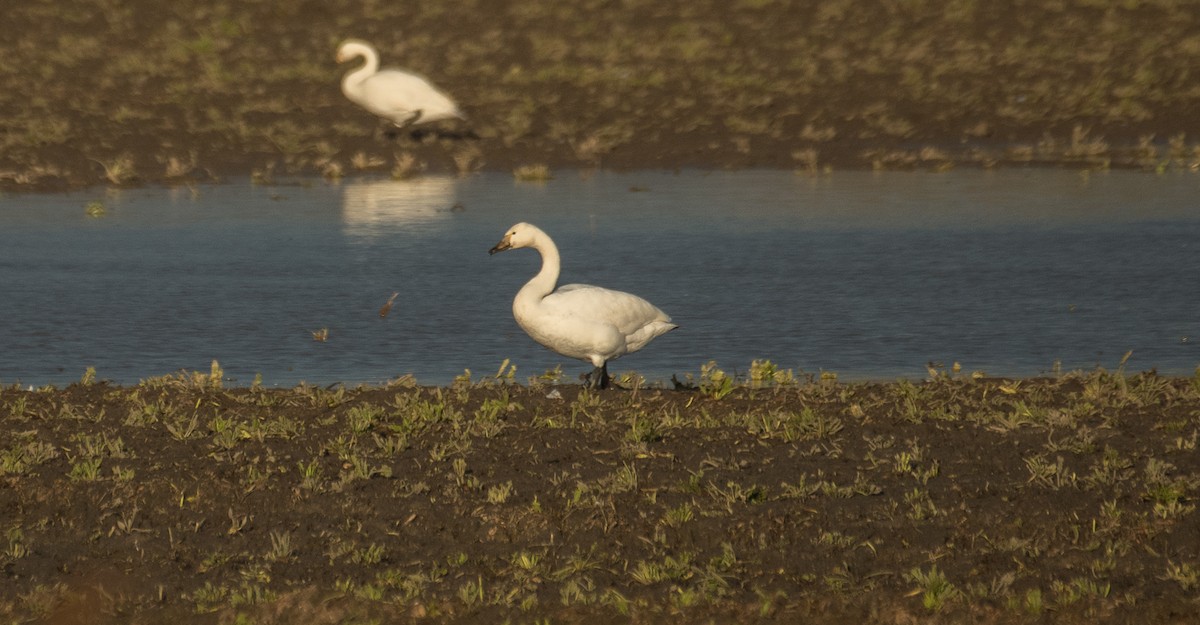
(97, 94)
(761, 499)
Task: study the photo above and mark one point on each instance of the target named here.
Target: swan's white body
(581, 321)
(399, 97)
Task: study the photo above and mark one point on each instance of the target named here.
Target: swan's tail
(647, 333)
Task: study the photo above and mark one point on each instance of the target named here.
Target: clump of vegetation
(532, 173)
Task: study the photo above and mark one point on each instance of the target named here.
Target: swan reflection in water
(374, 207)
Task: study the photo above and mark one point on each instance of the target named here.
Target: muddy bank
(94, 92)
(770, 499)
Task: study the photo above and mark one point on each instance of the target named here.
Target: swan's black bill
(500, 247)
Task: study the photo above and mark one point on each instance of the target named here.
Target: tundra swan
(397, 96)
(581, 321)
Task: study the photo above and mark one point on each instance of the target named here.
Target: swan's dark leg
(394, 128)
(598, 378)
(416, 133)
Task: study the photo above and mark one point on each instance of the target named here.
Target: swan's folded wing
(393, 90)
(628, 312)
(405, 93)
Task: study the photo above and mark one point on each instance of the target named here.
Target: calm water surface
(869, 275)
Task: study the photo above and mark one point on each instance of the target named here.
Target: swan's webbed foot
(598, 378)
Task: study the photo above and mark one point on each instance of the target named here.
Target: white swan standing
(399, 97)
(579, 320)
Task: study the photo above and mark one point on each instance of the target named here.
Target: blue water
(870, 275)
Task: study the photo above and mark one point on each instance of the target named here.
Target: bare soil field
(135, 91)
(760, 499)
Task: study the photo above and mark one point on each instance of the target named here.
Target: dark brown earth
(137, 91)
(1065, 500)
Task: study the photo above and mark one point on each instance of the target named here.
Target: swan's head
(520, 235)
(353, 48)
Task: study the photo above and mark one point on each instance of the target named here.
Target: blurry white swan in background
(400, 97)
(579, 320)
(374, 207)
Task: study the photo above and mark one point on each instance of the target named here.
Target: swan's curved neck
(352, 79)
(544, 282)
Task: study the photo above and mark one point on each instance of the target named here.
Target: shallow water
(870, 275)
